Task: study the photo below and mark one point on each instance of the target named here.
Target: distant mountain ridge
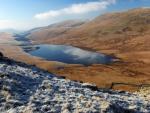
(112, 29)
(54, 30)
(10, 30)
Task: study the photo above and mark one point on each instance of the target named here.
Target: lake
(67, 54)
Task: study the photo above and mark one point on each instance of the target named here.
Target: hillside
(53, 30)
(28, 89)
(121, 34)
(121, 31)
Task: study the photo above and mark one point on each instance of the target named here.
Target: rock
(28, 89)
(1, 55)
(90, 86)
(104, 106)
(62, 77)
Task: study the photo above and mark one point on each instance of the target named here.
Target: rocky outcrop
(27, 89)
(1, 55)
(144, 93)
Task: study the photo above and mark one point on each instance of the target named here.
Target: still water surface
(68, 54)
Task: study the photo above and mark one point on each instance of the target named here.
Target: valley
(75, 56)
(124, 35)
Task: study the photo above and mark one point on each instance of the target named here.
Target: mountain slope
(54, 30)
(123, 34)
(27, 89)
(121, 31)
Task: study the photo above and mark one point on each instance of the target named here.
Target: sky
(27, 14)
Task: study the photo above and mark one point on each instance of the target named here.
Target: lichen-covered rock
(27, 89)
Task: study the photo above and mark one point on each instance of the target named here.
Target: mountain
(120, 31)
(124, 35)
(54, 30)
(9, 30)
(28, 89)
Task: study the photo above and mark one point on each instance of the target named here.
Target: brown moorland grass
(124, 35)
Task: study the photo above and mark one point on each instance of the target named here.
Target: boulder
(1, 55)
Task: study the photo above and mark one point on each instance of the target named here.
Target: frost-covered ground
(27, 89)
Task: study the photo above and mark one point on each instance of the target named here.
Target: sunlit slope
(121, 31)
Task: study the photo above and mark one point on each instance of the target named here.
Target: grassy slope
(54, 30)
(130, 28)
(124, 34)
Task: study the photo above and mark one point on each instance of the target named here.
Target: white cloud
(76, 9)
(81, 54)
(73, 10)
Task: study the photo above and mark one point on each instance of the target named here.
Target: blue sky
(26, 14)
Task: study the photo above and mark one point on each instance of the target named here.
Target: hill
(121, 34)
(28, 89)
(53, 30)
(10, 31)
(121, 31)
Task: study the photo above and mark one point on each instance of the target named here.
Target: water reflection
(68, 54)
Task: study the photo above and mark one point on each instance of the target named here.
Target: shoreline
(102, 75)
